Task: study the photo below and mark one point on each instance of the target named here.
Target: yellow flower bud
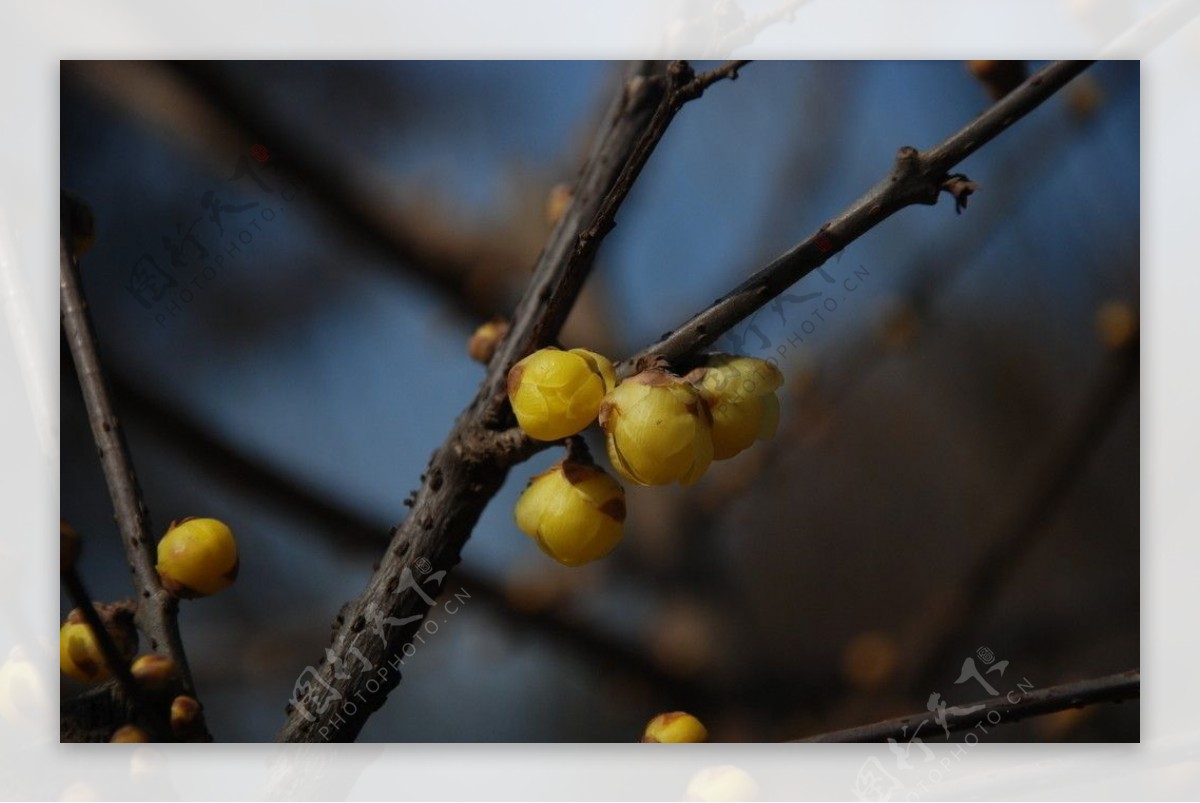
(153, 671)
(677, 727)
(185, 715)
(575, 512)
(740, 392)
(129, 733)
(658, 429)
(486, 338)
(556, 393)
(79, 654)
(197, 557)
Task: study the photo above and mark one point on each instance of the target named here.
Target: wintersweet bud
(677, 727)
(197, 557)
(575, 512)
(185, 716)
(129, 733)
(740, 392)
(486, 339)
(79, 652)
(555, 394)
(658, 429)
(153, 671)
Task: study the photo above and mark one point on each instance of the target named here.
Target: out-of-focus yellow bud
(79, 654)
(575, 512)
(486, 338)
(1116, 323)
(197, 557)
(153, 671)
(740, 392)
(677, 727)
(1000, 77)
(129, 733)
(658, 429)
(725, 782)
(557, 202)
(23, 698)
(556, 393)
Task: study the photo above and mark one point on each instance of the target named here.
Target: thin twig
(1008, 708)
(154, 720)
(917, 177)
(333, 700)
(157, 610)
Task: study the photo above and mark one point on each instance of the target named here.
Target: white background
(34, 36)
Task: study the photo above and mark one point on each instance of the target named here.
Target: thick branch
(334, 698)
(1012, 707)
(156, 609)
(917, 177)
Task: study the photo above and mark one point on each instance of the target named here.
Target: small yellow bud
(197, 557)
(740, 392)
(575, 512)
(153, 671)
(486, 338)
(79, 654)
(129, 733)
(556, 393)
(676, 727)
(658, 429)
(185, 715)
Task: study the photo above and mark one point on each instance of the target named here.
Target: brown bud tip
(68, 546)
(483, 343)
(129, 733)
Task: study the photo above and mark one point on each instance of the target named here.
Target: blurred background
(290, 259)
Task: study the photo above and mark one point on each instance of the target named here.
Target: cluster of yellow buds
(659, 428)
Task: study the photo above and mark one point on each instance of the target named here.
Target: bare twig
(157, 610)
(1008, 708)
(154, 720)
(917, 177)
(333, 701)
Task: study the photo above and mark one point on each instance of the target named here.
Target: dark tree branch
(334, 699)
(157, 610)
(917, 177)
(346, 528)
(1009, 708)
